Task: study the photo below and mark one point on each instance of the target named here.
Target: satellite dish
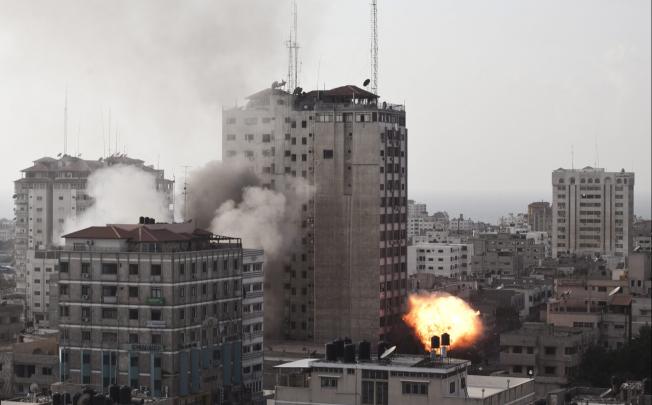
(33, 388)
(388, 353)
(366, 83)
(614, 291)
(500, 287)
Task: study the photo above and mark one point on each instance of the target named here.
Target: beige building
(414, 380)
(440, 259)
(592, 212)
(347, 275)
(50, 192)
(547, 353)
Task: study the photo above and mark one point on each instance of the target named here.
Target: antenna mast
(293, 51)
(185, 193)
(374, 47)
(65, 123)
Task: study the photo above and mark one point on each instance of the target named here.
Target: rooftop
(404, 363)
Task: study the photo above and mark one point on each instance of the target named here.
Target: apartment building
(253, 279)
(549, 354)
(539, 217)
(48, 193)
(6, 229)
(440, 259)
(157, 306)
(505, 254)
(347, 274)
(403, 379)
(592, 212)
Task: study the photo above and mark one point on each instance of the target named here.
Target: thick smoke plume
(214, 184)
(120, 194)
(227, 199)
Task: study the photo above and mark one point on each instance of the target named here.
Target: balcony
(156, 324)
(109, 299)
(155, 301)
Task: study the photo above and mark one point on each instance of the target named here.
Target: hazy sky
(496, 92)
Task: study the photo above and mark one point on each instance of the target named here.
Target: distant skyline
(497, 94)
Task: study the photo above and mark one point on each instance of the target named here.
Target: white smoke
(264, 219)
(121, 194)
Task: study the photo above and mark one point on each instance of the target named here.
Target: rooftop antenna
(103, 133)
(185, 192)
(572, 158)
(65, 123)
(293, 51)
(597, 158)
(109, 132)
(374, 47)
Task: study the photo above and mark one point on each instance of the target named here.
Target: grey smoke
(212, 185)
(228, 199)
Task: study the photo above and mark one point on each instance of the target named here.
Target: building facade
(6, 229)
(352, 152)
(50, 192)
(593, 212)
(546, 353)
(157, 307)
(505, 254)
(415, 380)
(441, 259)
(253, 279)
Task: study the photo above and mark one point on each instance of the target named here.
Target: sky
(497, 93)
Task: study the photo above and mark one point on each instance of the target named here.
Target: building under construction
(347, 275)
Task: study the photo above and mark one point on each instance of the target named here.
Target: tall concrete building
(539, 216)
(50, 192)
(593, 212)
(153, 305)
(347, 275)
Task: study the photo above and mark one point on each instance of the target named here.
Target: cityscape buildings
(593, 212)
(440, 259)
(539, 215)
(156, 307)
(353, 151)
(49, 193)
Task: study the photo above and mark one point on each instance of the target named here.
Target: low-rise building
(401, 379)
(440, 259)
(504, 254)
(12, 321)
(548, 353)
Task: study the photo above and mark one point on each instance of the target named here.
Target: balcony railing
(155, 301)
(156, 324)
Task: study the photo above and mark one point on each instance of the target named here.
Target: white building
(252, 322)
(414, 380)
(593, 212)
(6, 230)
(440, 259)
(460, 224)
(48, 193)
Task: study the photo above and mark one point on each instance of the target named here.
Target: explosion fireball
(434, 314)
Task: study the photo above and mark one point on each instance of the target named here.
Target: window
(133, 269)
(550, 350)
(155, 270)
(109, 313)
(328, 153)
(86, 335)
(328, 382)
(155, 292)
(549, 370)
(133, 292)
(267, 138)
(109, 269)
(133, 314)
(63, 267)
(156, 339)
(517, 369)
(451, 387)
(133, 339)
(414, 388)
(367, 392)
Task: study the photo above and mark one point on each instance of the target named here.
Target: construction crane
(374, 47)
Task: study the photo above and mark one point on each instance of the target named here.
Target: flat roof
(403, 363)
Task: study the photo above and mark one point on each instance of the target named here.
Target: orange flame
(436, 313)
